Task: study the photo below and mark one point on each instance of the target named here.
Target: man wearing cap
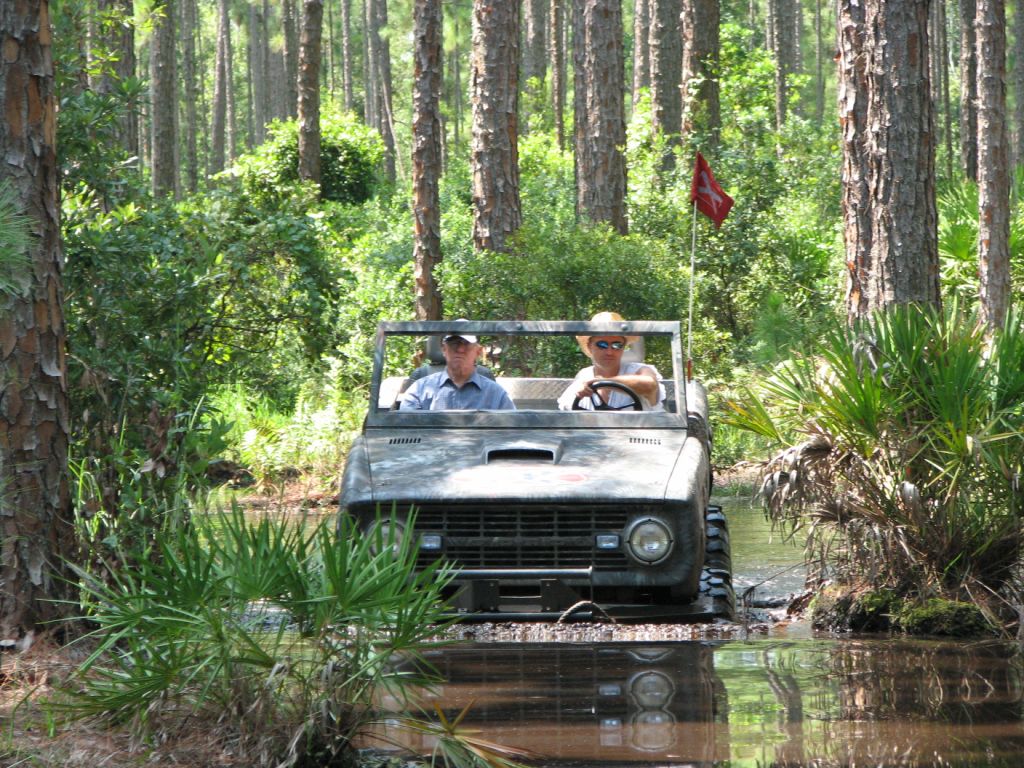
(606, 353)
(459, 387)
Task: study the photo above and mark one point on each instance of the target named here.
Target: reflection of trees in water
(905, 703)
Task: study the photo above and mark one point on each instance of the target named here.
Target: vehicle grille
(531, 537)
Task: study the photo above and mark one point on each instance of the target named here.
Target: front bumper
(521, 594)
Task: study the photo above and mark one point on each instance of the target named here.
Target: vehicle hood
(428, 466)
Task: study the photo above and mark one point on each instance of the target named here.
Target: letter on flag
(710, 198)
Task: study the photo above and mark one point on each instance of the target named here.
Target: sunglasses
(610, 344)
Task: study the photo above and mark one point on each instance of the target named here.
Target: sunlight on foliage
(902, 443)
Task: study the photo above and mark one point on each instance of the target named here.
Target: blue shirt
(437, 392)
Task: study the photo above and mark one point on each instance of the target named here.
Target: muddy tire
(716, 576)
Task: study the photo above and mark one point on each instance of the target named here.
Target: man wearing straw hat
(606, 353)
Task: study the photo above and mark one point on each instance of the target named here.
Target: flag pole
(693, 268)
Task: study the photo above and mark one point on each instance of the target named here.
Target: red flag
(711, 198)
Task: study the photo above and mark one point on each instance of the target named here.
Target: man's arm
(412, 400)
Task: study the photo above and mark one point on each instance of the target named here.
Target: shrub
(902, 451)
(277, 634)
(350, 154)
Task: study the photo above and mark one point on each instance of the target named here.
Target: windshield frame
(529, 418)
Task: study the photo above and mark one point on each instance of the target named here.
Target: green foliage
(290, 629)
(958, 240)
(14, 238)
(92, 124)
(168, 302)
(311, 439)
(350, 154)
(903, 442)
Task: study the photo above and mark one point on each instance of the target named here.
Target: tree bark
(558, 75)
(968, 91)
(600, 135)
(782, 26)
(36, 533)
(163, 100)
(495, 149)
(641, 47)
(289, 20)
(885, 109)
(188, 63)
(220, 90)
(309, 90)
(701, 102)
(426, 155)
(346, 54)
(258, 71)
(1018, 83)
(370, 87)
(385, 116)
(666, 52)
(993, 164)
(819, 65)
(534, 60)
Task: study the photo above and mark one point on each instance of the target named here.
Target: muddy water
(730, 697)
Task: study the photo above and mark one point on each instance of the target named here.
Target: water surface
(789, 698)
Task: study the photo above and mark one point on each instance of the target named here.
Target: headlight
(385, 535)
(652, 690)
(650, 541)
(654, 731)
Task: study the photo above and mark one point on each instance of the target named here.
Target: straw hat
(605, 317)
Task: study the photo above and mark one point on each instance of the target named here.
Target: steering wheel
(600, 405)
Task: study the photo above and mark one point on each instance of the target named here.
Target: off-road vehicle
(544, 512)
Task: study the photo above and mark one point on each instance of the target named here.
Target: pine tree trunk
(641, 47)
(385, 115)
(947, 103)
(819, 65)
(309, 89)
(290, 22)
(600, 134)
(968, 91)
(258, 71)
(1018, 83)
(993, 164)
(163, 99)
(666, 52)
(229, 81)
(495, 151)
(371, 114)
(346, 54)
(331, 58)
(220, 90)
(533, 60)
(885, 109)
(558, 74)
(457, 109)
(36, 535)
(782, 27)
(426, 155)
(188, 63)
(702, 106)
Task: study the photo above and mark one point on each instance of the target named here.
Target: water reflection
(781, 703)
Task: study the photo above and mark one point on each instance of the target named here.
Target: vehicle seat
(635, 353)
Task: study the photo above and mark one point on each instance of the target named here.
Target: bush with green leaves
(168, 302)
(901, 451)
(279, 635)
(350, 156)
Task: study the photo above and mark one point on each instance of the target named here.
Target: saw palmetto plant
(900, 448)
